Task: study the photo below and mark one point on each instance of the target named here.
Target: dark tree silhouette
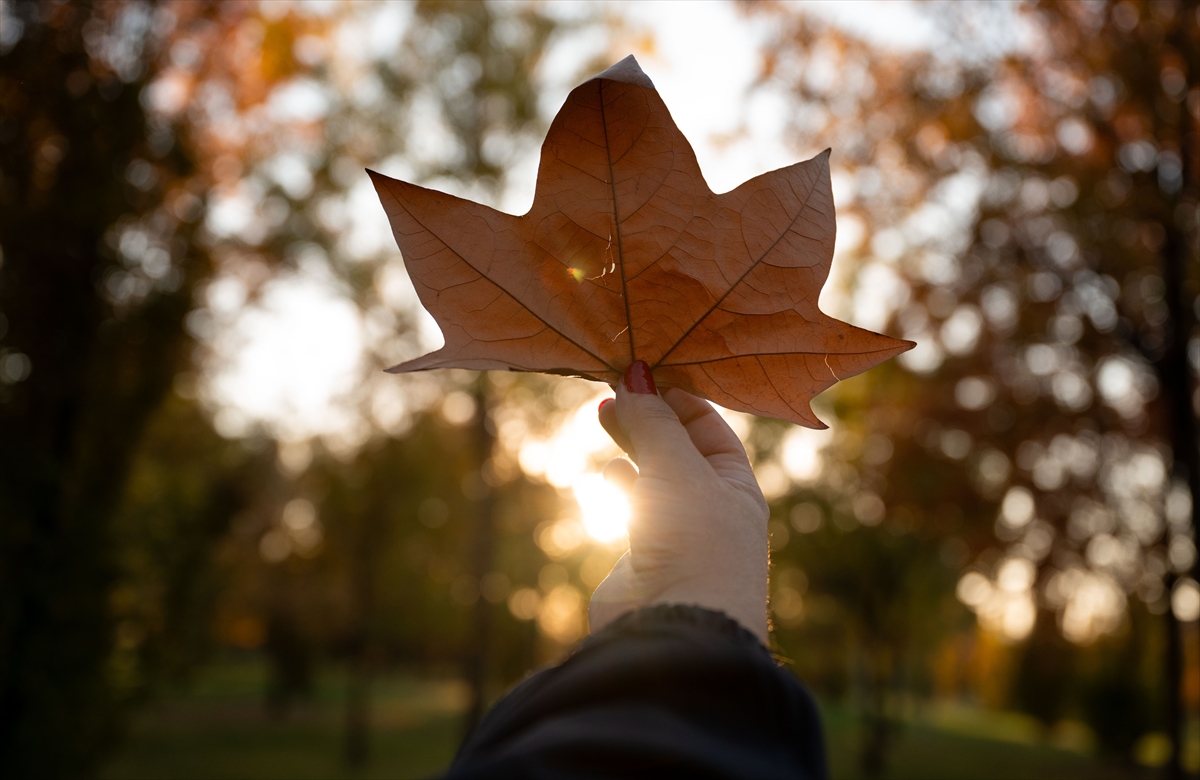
(97, 276)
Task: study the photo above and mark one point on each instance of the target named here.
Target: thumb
(662, 443)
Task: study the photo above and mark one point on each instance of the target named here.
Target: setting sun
(568, 458)
(605, 508)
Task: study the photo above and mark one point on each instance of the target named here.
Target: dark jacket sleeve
(666, 691)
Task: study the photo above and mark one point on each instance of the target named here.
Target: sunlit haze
(568, 460)
(287, 358)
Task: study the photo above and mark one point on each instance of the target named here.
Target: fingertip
(607, 414)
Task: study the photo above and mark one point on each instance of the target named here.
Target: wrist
(747, 606)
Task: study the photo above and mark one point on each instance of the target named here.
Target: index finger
(712, 436)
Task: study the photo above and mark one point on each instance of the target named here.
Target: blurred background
(230, 546)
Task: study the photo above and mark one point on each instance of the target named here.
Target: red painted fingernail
(638, 379)
(605, 401)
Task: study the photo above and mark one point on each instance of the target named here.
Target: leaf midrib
(612, 185)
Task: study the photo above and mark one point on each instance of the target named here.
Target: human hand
(698, 530)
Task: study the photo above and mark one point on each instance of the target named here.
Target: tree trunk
(371, 526)
(356, 749)
(876, 731)
(1178, 391)
(482, 548)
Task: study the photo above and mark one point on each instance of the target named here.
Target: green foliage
(185, 485)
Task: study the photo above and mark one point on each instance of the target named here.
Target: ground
(217, 727)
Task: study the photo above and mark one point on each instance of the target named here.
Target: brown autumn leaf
(627, 255)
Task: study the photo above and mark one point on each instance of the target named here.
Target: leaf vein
(753, 265)
(525, 306)
(765, 354)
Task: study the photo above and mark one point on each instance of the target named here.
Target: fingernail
(605, 401)
(638, 379)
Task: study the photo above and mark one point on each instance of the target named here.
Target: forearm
(665, 688)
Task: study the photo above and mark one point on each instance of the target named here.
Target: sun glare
(567, 459)
(605, 508)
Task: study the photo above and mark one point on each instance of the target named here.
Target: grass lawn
(218, 729)
(962, 745)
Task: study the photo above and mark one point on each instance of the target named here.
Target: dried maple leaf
(627, 255)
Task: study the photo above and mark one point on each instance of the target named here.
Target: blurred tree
(186, 483)
(98, 204)
(1023, 203)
